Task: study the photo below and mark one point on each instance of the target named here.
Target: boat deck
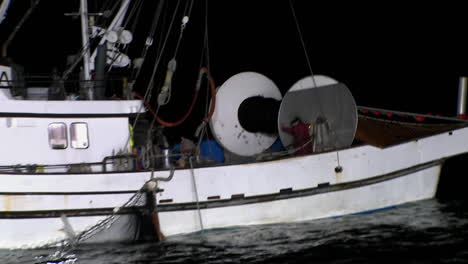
(383, 132)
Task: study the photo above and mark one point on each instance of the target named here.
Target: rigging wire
(166, 90)
(203, 71)
(202, 130)
(206, 44)
(113, 9)
(150, 86)
(119, 46)
(194, 187)
(293, 12)
(135, 8)
(149, 39)
(302, 41)
(134, 13)
(85, 48)
(18, 27)
(158, 60)
(185, 20)
(106, 6)
(306, 54)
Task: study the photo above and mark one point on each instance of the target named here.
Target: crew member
(303, 136)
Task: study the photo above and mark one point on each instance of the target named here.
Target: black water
(430, 231)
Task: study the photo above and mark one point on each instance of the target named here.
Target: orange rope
(180, 121)
(148, 106)
(203, 70)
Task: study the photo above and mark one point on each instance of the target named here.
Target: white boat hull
(320, 205)
(292, 189)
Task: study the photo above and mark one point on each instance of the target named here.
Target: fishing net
(65, 247)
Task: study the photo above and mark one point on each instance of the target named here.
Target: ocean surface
(429, 231)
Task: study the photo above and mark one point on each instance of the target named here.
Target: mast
(85, 42)
(107, 35)
(116, 23)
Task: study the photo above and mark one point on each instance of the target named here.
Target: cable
(149, 39)
(302, 41)
(150, 86)
(305, 52)
(18, 27)
(151, 83)
(203, 71)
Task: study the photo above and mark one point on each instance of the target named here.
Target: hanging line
(309, 65)
(194, 185)
(146, 98)
(305, 52)
(149, 38)
(158, 60)
(203, 72)
(185, 20)
(166, 90)
(201, 130)
(302, 42)
(206, 52)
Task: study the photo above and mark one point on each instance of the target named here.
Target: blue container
(277, 146)
(212, 150)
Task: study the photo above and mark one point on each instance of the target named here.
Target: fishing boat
(80, 166)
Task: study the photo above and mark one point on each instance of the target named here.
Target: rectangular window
(58, 136)
(79, 135)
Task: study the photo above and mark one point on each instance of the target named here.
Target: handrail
(412, 114)
(123, 156)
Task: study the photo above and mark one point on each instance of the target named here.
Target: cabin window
(79, 135)
(58, 136)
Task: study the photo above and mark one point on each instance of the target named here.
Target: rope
(150, 86)
(287, 152)
(201, 130)
(69, 244)
(302, 42)
(148, 106)
(192, 172)
(203, 71)
(338, 158)
(135, 8)
(185, 20)
(211, 85)
(158, 60)
(305, 52)
(166, 90)
(149, 39)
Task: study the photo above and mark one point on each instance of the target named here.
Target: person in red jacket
(303, 138)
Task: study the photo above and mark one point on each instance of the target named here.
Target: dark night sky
(390, 55)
